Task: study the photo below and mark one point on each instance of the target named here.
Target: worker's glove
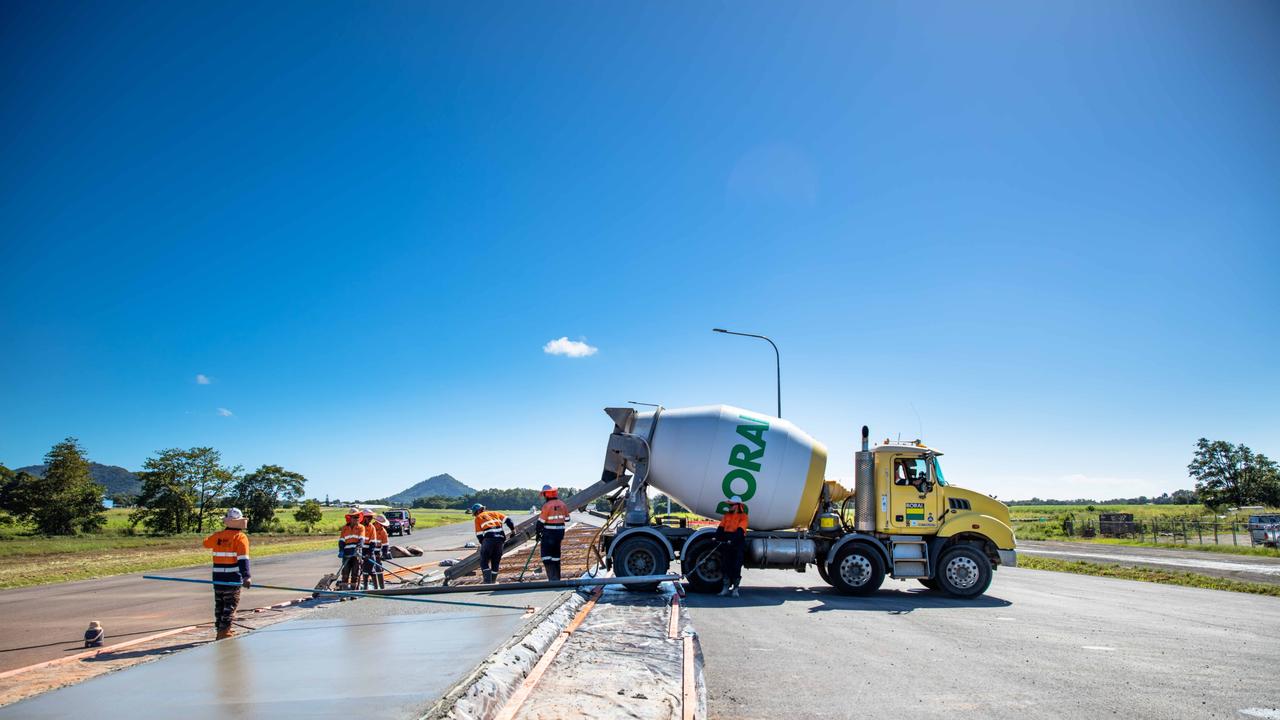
(247, 583)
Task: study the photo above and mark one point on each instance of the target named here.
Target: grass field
(1045, 522)
(1165, 577)
(27, 559)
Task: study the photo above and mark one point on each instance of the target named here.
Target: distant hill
(116, 479)
(444, 485)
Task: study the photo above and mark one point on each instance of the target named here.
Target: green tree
(180, 488)
(167, 501)
(1233, 475)
(260, 492)
(64, 500)
(8, 485)
(212, 480)
(309, 514)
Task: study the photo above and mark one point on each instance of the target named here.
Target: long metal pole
(338, 593)
(777, 358)
(533, 585)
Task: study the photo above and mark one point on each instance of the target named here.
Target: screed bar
(531, 585)
(384, 595)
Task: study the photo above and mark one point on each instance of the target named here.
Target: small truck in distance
(400, 522)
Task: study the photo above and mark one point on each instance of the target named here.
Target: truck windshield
(937, 473)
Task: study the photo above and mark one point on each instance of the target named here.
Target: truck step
(910, 557)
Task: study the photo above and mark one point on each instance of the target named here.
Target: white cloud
(224, 412)
(202, 379)
(569, 348)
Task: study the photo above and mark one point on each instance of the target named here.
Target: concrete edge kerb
(486, 688)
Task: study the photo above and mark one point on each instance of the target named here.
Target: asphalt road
(1040, 644)
(1254, 568)
(48, 621)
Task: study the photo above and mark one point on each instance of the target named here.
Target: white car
(1265, 530)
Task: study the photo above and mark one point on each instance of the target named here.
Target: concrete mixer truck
(901, 519)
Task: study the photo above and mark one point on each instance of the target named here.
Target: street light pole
(776, 356)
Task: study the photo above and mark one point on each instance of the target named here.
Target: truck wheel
(964, 571)
(930, 583)
(857, 570)
(640, 555)
(709, 576)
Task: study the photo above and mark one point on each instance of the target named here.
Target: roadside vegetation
(1164, 577)
(54, 528)
(27, 558)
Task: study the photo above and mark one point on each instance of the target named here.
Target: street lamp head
(719, 330)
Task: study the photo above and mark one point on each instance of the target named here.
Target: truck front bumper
(1008, 558)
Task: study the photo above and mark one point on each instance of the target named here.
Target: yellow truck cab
(945, 536)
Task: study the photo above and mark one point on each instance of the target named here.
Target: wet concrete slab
(360, 658)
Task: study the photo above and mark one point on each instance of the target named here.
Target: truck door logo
(915, 511)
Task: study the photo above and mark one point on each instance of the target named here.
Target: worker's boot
(224, 633)
(724, 592)
(735, 591)
(553, 570)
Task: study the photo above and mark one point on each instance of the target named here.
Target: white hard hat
(735, 500)
(235, 520)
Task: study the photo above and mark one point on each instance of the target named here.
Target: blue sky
(1047, 234)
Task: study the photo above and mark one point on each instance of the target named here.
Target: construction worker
(230, 548)
(350, 546)
(732, 536)
(369, 551)
(492, 539)
(382, 550)
(550, 530)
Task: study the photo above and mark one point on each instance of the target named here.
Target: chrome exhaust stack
(864, 488)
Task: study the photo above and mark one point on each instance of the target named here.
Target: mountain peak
(443, 485)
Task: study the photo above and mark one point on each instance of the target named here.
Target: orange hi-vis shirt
(554, 513)
(230, 555)
(489, 522)
(734, 521)
(350, 539)
(380, 535)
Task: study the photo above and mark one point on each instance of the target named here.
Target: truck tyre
(640, 555)
(856, 570)
(963, 571)
(709, 576)
(822, 572)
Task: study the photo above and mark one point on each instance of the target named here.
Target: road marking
(1098, 647)
(1267, 713)
(1183, 563)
